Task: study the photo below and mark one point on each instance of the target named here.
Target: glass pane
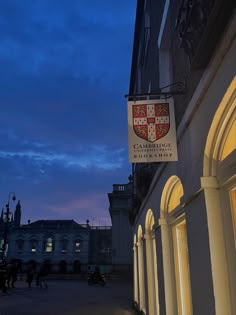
(176, 195)
(230, 143)
(182, 269)
(233, 208)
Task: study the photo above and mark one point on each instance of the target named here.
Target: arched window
(49, 245)
(77, 245)
(19, 245)
(33, 245)
(219, 184)
(175, 196)
(64, 244)
(228, 154)
(177, 252)
(233, 208)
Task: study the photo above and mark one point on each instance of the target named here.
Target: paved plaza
(68, 297)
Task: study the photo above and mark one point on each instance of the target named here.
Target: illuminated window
(171, 202)
(233, 208)
(33, 246)
(49, 245)
(230, 142)
(77, 246)
(182, 268)
(176, 195)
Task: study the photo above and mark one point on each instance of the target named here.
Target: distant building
(66, 245)
(119, 200)
(100, 248)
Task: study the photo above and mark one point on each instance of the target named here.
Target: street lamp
(7, 218)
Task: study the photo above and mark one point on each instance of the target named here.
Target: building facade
(100, 248)
(119, 204)
(184, 212)
(67, 246)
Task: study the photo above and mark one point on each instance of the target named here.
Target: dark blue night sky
(65, 68)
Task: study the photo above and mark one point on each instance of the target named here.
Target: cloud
(93, 155)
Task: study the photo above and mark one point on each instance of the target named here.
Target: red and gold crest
(151, 121)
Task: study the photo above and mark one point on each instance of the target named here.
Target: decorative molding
(162, 222)
(209, 182)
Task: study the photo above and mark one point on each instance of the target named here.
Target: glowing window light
(233, 208)
(176, 195)
(230, 142)
(182, 269)
(77, 246)
(49, 245)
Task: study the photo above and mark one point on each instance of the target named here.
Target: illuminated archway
(219, 184)
(151, 259)
(175, 253)
(221, 137)
(171, 196)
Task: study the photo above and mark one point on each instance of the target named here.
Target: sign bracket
(177, 88)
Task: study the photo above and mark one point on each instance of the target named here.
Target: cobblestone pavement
(68, 297)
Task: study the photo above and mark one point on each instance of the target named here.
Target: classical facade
(184, 212)
(68, 247)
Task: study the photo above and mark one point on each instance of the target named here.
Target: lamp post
(7, 217)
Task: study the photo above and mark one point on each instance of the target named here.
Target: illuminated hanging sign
(152, 132)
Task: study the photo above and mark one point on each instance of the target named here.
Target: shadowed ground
(68, 297)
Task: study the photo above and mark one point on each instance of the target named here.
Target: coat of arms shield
(151, 121)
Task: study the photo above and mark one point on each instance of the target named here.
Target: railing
(121, 188)
(102, 227)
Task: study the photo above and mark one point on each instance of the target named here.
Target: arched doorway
(151, 259)
(219, 184)
(175, 250)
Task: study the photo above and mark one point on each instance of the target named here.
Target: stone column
(169, 269)
(136, 299)
(151, 275)
(142, 304)
(220, 274)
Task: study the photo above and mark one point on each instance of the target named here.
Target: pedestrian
(42, 276)
(14, 274)
(3, 278)
(30, 275)
(8, 274)
(11, 273)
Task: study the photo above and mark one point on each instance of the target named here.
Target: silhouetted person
(11, 274)
(97, 274)
(14, 273)
(30, 275)
(3, 278)
(42, 276)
